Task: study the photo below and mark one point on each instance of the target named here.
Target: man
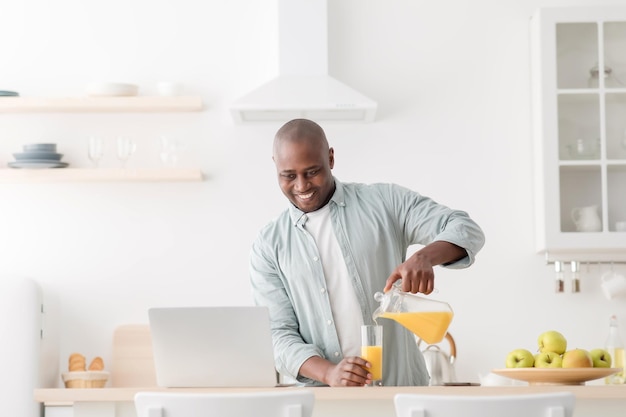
(318, 265)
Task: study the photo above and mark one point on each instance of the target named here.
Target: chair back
(555, 404)
(282, 403)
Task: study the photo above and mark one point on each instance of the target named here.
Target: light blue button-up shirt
(374, 225)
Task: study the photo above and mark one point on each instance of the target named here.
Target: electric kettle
(440, 365)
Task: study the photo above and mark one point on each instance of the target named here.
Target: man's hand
(417, 273)
(350, 372)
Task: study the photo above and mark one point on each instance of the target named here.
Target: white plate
(38, 164)
(556, 376)
(38, 156)
(40, 147)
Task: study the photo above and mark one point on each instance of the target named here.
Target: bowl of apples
(554, 364)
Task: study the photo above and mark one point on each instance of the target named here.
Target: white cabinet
(135, 104)
(579, 128)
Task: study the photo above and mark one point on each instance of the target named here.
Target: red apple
(577, 358)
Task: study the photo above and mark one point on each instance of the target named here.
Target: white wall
(452, 82)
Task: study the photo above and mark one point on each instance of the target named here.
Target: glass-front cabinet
(579, 129)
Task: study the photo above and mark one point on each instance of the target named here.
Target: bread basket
(85, 379)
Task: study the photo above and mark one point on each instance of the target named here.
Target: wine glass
(126, 147)
(95, 149)
(170, 148)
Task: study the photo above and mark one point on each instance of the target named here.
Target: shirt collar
(298, 217)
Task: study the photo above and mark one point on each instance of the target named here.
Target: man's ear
(331, 157)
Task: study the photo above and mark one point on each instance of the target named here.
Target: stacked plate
(4, 93)
(38, 155)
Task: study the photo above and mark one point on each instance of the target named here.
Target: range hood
(303, 88)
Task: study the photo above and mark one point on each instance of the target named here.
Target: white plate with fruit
(555, 365)
(556, 376)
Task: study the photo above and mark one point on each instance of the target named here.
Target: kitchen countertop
(51, 396)
(591, 400)
(64, 395)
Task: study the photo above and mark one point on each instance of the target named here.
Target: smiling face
(303, 163)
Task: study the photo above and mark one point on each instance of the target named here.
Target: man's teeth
(305, 196)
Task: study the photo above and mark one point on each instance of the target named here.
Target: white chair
(555, 404)
(280, 403)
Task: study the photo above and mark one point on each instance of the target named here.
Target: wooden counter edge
(65, 395)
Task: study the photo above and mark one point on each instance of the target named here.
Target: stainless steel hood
(303, 88)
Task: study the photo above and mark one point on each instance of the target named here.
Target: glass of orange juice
(372, 351)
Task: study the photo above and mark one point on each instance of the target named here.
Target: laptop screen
(212, 346)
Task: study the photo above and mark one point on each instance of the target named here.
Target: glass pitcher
(427, 319)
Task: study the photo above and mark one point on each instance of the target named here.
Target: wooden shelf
(58, 175)
(137, 104)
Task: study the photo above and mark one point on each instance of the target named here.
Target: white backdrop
(452, 82)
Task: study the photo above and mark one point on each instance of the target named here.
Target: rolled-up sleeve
(463, 232)
(426, 221)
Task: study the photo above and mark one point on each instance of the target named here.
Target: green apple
(548, 360)
(552, 341)
(601, 358)
(577, 358)
(520, 358)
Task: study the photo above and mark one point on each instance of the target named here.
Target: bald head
(301, 130)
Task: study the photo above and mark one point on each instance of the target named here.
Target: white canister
(613, 284)
(166, 88)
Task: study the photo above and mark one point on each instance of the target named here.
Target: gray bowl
(40, 147)
(50, 156)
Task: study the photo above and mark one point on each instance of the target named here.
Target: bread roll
(77, 363)
(97, 364)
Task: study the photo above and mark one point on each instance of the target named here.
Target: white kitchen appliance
(21, 347)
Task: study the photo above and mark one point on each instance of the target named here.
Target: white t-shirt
(343, 300)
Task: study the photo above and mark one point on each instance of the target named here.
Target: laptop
(198, 347)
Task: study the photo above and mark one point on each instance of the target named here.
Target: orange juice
(374, 355)
(430, 326)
